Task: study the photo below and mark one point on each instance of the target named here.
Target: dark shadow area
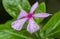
(33, 1)
(52, 5)
(4, 16)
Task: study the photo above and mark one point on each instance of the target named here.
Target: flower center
(30, 15)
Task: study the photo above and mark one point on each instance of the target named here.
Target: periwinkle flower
(32, 25)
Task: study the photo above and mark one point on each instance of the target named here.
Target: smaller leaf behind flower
(41, 9)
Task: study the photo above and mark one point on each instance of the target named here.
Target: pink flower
(24, 16)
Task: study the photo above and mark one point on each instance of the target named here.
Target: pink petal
(18, 24)
(42, 15)
(22, 14)
(34, 7)
(32, 26)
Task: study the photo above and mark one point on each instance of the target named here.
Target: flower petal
(18, 24)
(32, 26)
(42, 15)
(22, 14)
(34, 7)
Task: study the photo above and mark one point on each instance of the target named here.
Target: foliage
(50, 30)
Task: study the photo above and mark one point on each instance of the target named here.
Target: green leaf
(12, 6)
(6, 34)
(53, 26)
(41, 8)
